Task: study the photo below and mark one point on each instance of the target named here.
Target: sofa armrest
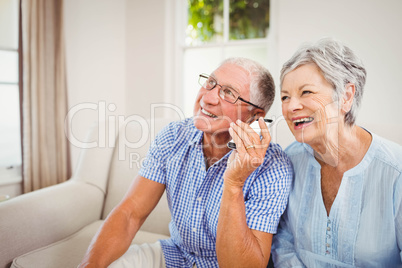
(45, 216)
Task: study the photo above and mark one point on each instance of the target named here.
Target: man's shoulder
(178, 128)
(275, 171)
(276, 157)
(275, 150)
(180, 124)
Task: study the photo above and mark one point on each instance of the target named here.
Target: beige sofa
(53, 227)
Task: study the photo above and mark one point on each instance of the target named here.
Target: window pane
(8, 66)
(10, 143)
(249, 19)
(205, 22)
(197, 61)
(9, 24)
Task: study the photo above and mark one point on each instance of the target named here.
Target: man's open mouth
(208, 113)
(302, 121)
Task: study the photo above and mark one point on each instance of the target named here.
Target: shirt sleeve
(154, 166)
(269, 193)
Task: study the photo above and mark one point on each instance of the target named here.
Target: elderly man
(225, 204)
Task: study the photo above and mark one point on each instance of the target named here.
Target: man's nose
(212, 96)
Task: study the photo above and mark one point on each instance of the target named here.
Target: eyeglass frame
(216, 84)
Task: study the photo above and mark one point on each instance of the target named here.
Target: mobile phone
(256, 127)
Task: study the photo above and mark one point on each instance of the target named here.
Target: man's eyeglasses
(226, 93)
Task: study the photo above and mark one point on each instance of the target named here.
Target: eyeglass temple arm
(243, 100)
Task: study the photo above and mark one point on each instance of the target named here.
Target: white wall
(371, 28)
(95, 35)
(145, 55)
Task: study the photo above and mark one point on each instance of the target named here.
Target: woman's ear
(348, 97)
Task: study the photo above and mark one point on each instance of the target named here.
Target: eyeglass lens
(225, 92)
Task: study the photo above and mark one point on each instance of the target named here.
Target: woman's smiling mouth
(301, 121)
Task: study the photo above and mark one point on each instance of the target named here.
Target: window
(219, 29)
(10, 138)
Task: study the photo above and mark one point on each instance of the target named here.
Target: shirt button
(328, 236)
(199, 199)
(194, 230)
(328, 228)
(329, 221)
(328, 245)
(327, 252)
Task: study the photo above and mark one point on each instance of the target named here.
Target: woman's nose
(294, 104)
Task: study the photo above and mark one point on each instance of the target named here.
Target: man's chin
(202, 124)
(210, 127)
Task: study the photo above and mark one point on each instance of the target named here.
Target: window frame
(13, 174)
(226, 41)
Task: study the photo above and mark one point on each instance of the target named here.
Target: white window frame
(226, 42)
(11, 174)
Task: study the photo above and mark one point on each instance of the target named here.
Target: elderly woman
(345, 206)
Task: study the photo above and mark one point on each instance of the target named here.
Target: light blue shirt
(364, 227)
(194, 193)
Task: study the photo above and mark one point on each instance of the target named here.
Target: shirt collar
(196, 135)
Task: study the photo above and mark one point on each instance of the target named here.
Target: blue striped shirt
(194, 193)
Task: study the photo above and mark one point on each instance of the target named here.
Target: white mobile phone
(256, 127)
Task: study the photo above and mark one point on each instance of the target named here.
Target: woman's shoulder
(388, 151)
(297, 148)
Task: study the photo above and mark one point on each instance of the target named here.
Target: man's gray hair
(339, 66)
(262, 86)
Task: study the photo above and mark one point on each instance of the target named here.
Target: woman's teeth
(209, 114)
(303, 120)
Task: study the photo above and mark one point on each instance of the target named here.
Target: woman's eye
(306, 92)
(283, 98)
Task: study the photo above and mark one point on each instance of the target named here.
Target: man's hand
(237, 245)
(249, 154)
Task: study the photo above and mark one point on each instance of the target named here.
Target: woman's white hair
(262, 86)
(339, 66)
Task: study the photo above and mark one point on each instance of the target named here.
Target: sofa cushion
(70, 251)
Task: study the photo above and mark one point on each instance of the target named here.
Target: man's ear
(257, 113)
(348, 97)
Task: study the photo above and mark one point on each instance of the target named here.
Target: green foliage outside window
(248, 19)
(201, 15)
